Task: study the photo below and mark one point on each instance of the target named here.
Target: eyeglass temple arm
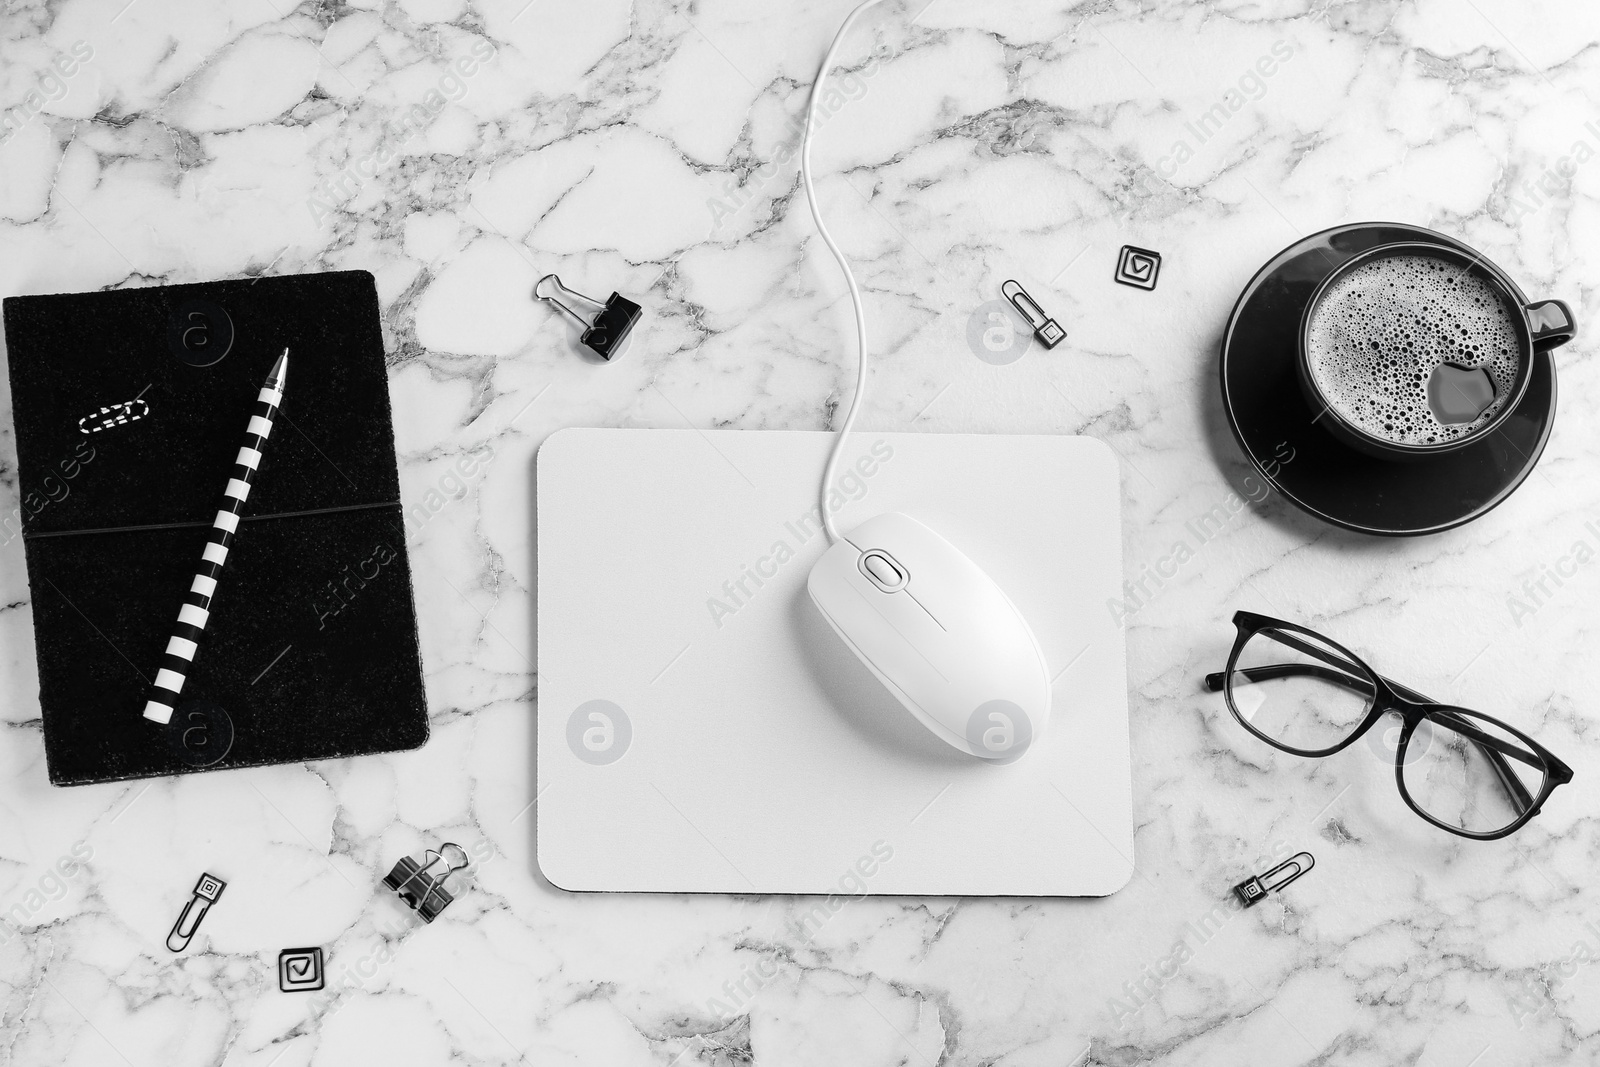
(1494, 749)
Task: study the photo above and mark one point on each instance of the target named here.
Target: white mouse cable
(844, 265)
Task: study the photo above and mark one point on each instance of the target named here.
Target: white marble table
(627, 146)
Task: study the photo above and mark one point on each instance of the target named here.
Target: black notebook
(130, 407)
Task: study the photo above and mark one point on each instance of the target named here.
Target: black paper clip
(420, 891)
(1254, 889)
(611, 325)
(206, 892)
(1046, 329)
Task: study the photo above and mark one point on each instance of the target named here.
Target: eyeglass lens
(1469, 773)
(1298, 691)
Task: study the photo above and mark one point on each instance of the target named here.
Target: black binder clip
(1046, 329)
(206, 892)
(1254, 889)
(420, 891)
(611, 325)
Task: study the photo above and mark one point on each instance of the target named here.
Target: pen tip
(281, 368)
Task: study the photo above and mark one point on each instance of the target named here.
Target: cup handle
(1550, 323)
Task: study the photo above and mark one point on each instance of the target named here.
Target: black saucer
(1300, 459)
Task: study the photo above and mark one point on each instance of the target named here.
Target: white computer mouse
(938, 632)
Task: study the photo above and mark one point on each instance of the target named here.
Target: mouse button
(947, 583)
(884, 571)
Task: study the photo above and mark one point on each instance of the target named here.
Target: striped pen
(196, 607)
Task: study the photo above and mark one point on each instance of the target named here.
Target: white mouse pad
(702, 729)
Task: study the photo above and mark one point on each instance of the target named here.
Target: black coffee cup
(1539, 326)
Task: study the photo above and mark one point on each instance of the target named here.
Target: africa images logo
(999, 730)
(997, 335)
(599, 732)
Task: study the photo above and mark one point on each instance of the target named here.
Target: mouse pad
(702, 729)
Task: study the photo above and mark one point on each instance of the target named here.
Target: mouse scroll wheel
(885, 573)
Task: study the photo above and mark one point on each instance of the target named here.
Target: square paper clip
(300, 970)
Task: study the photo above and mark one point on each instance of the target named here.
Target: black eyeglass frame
(1413, 707)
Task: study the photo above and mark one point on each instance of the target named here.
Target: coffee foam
(1381, 330)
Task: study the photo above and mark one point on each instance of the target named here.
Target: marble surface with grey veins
(647, 147)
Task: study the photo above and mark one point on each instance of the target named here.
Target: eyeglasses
(1461, 770)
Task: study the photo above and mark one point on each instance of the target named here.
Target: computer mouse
(938, 633)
